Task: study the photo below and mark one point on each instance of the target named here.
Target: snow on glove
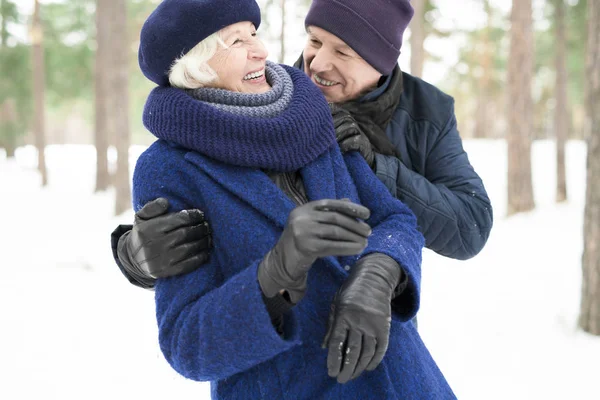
(316, 229)
(162, 245)
(360, 317)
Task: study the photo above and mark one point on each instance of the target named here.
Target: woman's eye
(236, 41)
(253, 33)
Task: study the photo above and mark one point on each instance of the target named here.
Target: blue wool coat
(213, 324)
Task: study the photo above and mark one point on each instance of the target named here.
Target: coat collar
(256, 189)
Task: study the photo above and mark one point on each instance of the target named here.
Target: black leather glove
(316, 229)
(162, 245)
(349, 135)
(360, 318)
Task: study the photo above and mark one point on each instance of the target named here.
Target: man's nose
(321, 62)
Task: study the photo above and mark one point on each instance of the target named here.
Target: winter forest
(521, 320)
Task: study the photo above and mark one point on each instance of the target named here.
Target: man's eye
(253, 33)
(236, 41)
(342, 54)
(315, 42)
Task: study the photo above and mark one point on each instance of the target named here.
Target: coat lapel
(319, 182)
(255, 188)
(250, 185)
(319, 179)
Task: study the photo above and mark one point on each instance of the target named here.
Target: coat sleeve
(452, 207)
(394, 232)
(210, 328)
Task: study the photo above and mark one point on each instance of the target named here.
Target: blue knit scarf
(263, 105)
(247, 130)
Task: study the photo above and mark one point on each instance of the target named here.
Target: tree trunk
(3, 23)
(561, 114)
(589, 318)
(482, 122)
(10, 150)
(8, 124)
(103, 27)
(520, 109)
(38, 90)
(417, 39)
(282, 36)
(119, 102)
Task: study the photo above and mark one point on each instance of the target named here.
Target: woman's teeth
(254, 75)
(322, 81)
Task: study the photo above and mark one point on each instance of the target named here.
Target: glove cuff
(135, 274)
(385, 267)
(271, 282)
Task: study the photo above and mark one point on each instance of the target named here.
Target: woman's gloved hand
(316, 229)
(162, 245)
(360, 318)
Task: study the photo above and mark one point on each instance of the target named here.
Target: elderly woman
(316, 268)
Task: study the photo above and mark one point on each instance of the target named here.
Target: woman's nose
(258, 50)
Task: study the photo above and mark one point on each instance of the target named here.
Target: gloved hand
(316, 229)
(360, 317)
(162, 245)
(349, 135)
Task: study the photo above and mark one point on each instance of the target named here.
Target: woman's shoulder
(163, 171)
(161, 158)
(162, 151)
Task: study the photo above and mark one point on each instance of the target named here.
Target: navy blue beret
(176, 26)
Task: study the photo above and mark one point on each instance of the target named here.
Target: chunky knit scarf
(281, 130)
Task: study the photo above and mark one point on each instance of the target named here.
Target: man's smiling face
(340, 73)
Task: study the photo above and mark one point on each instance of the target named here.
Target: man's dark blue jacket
(433, 175)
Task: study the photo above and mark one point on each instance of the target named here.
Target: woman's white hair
(191, 71)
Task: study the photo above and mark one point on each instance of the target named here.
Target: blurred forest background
(519, 71)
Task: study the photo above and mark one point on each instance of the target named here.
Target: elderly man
(404, 128)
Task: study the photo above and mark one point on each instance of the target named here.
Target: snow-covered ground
(501, 326)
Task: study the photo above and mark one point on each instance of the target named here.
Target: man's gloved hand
(316, 229)
(162, 245)
(360, 318)
(349, 135)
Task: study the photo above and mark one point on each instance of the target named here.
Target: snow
(502, 325)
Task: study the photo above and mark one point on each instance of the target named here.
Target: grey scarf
(264, 105)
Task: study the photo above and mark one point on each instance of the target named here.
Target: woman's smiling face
(240, 66)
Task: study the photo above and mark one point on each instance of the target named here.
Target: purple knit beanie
(372, 28)
(176, 26)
